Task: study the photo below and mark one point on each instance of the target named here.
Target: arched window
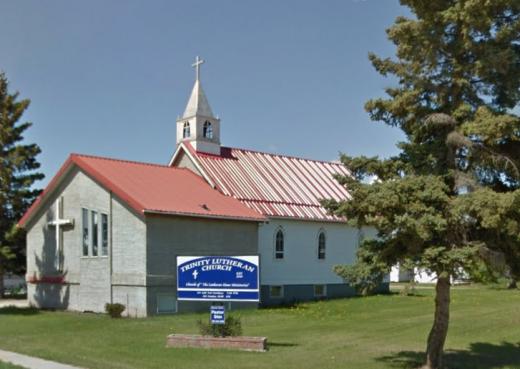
(321, 245)
(279, 245)
(207, 130)
(186, 130)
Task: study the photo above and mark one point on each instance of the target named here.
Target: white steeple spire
(198, 103)
(198, 125)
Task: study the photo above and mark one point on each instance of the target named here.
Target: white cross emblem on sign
(59, 223)
(195, 274)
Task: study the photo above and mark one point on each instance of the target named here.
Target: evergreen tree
(18, 173)
(451, 199)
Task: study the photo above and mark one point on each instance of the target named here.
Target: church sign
(218, 278)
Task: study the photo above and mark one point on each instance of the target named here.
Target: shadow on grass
(281, 344)
(479, 356)
(14, 310)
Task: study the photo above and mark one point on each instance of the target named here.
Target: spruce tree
(18, 173)
(450, 199)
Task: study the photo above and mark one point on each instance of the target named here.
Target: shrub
(114, 310)
(231, 327)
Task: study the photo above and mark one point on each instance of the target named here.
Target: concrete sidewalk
(30, 362)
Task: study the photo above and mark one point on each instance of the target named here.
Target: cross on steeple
(196, 65)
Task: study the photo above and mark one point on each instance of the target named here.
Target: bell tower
(198, 125)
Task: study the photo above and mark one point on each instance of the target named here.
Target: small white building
(399, 274)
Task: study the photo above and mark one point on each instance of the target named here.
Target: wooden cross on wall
(59, 223)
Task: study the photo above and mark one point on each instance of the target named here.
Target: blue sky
(110, 77)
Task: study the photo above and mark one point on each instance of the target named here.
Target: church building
(107, 230)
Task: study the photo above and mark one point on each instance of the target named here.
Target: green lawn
(9, 366)
(368, 333)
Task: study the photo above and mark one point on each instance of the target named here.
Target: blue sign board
(217, 315)
(218, 278)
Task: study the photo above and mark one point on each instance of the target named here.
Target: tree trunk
(512, 284)
(439, 331)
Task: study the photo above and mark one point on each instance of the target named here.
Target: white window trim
(324, 290)
(101, 234)
(88, 230)
(207, 130)
(320, 231)
(90, 234)
(186, 127)
(282, 291)
(284, 253)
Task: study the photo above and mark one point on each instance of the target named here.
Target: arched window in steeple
(186, 130)
(207, 130)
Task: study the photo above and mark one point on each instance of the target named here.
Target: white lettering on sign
(217, 264)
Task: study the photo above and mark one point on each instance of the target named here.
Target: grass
(4, 365)
(370, 333)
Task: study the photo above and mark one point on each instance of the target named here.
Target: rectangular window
(276, 292)
(95, 235)
(320, 290)
(104, 234)
(166, 304)
(84, 221)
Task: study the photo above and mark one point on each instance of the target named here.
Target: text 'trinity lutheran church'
(108, 230)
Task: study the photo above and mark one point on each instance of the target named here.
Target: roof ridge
(122, 160)
(272, 154)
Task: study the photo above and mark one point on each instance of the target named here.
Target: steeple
(198, 103)
(198, 125)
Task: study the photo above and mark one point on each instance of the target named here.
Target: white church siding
(300, 269)
(184, 161)
(300, 264)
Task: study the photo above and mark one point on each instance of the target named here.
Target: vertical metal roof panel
(276, 185)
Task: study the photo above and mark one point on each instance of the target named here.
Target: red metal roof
(150, 188)
(274, 185)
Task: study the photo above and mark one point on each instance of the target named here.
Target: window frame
(94, 221)
(207, 130)
(282, 291)
(104, 239)
(279, 230)
(186, 128)
(89, 232)
(324, 290)
(165, 294)
(90, 227)
(319, 251)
